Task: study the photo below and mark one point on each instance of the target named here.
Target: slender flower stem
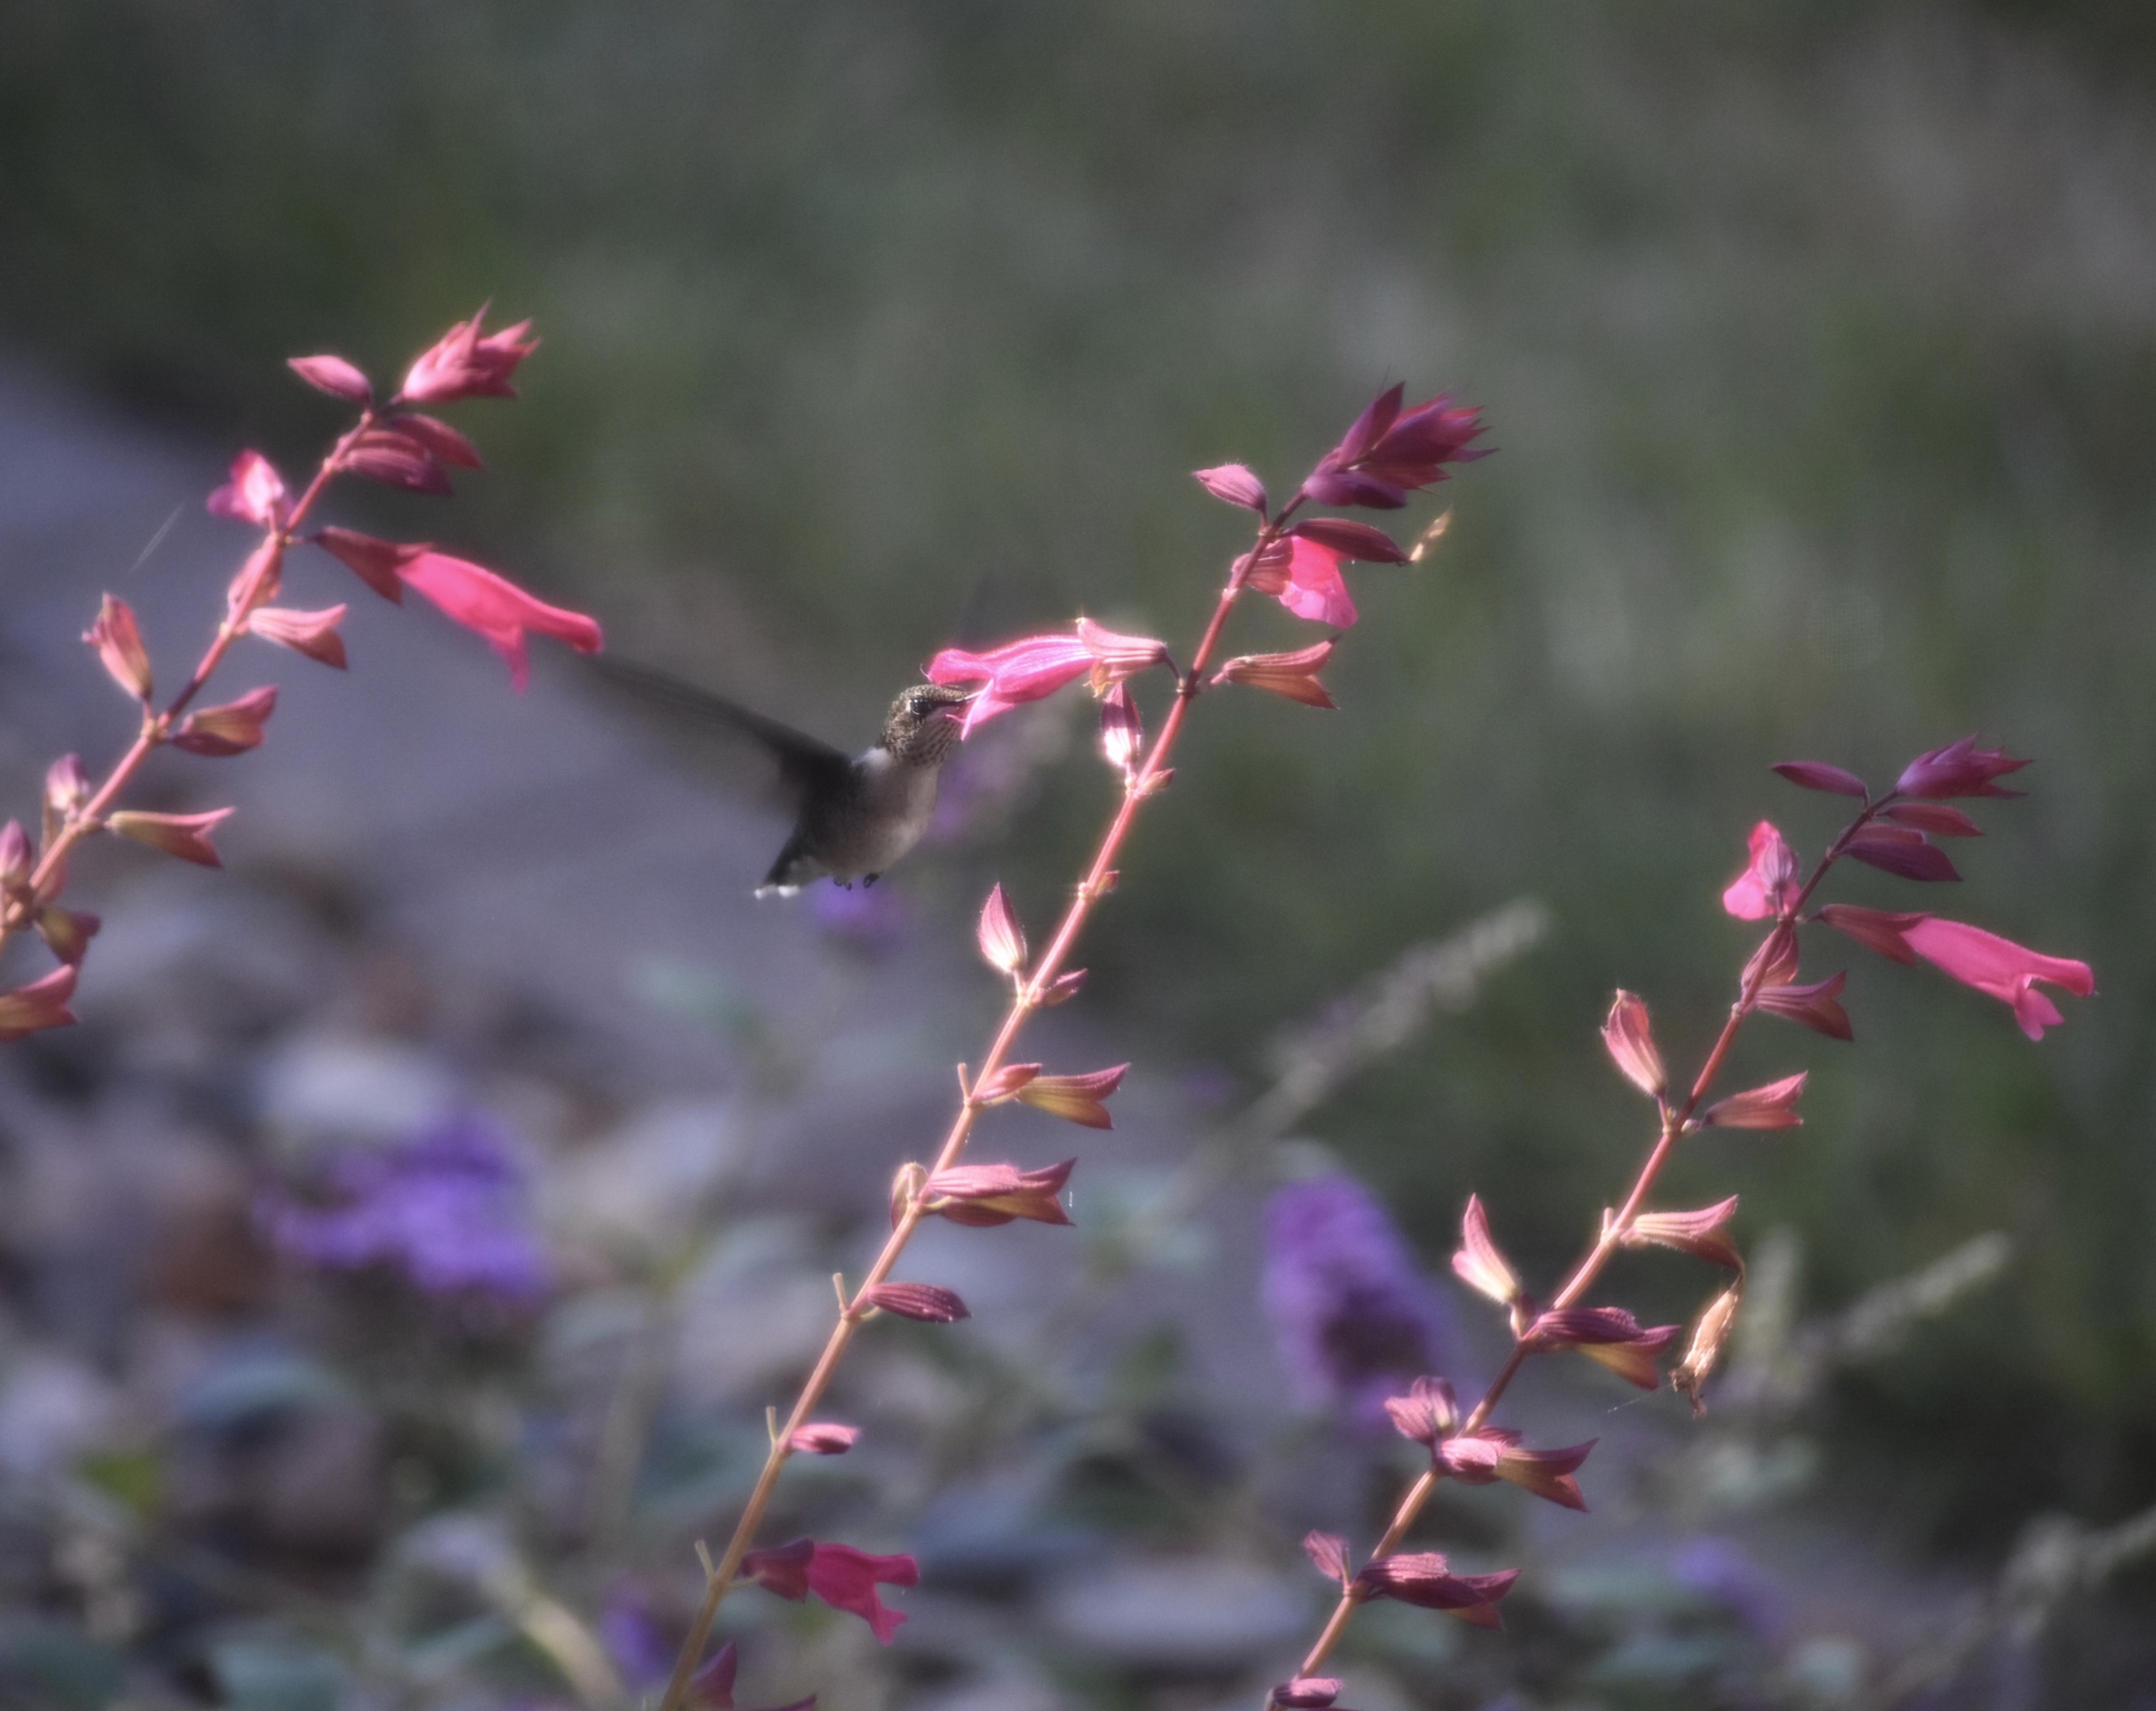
(1677, 1120)
(1095, 885)
(157, 727)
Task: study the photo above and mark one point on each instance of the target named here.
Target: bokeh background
(1819, 344)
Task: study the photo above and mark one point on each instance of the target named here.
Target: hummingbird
(853, 815)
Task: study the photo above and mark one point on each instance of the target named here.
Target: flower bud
(926, 1302)
(118, 645)
(905, 1189)
(1292, 676)
(314, 634)
(17, 858)
(1629, 1036)
(1235, 485)
(1328, 1555)
(1773, 1105)
(185, 836)
(1708, 1339)
(232, 729)
(333, 375)
(1000, 936)
(1480, 1264)
(1076, 1099)
(823, 1438)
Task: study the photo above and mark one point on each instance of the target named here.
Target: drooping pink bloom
(185, 836)
(1000, 935)
(497, 609)
(333, 375)
(1422, 1578)
(1769, 883)
(985, 1195)
(823, 1437)
(463, 364)
(42, 1004)
(254, 495)
(314, 634)
(1304, 576)
(1629, 1037)
(1773, 1105)
(1479, 1263)
(2000, 969)
(1388, 453)
(1699, 1233)
(228, 730)
(119, 644)
(1495, 1453)
(1959, 770)
(1079, 1099)
(1608, 1335)
(1030, 669)
(843, 1577)
(1294, 675)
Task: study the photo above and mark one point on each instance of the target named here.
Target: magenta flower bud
(314, 634)
(1076, 1099)
(441, 441)
(1629, 1036)
(463, 364)
(1902, 850)
(1959, 770)
(1608, 1335)
(1421, 1578)
(1818, 775)
(928, 1302)
(42, 1004)
(254, 495)
(231, 729)
(1000, 934)
(1235, 485)
(1699, 1233)
(1769, 883)
(2000, 969)
(1426, 1413)
(67, 931)
(396, 460)
(1480, 1264)
(1122, 732)
(17, 858)
(497, 610)
(1328, 1555)
(1294, 675)
(1879, 930)
(1307, 1693)
(67, 785)
(374, 563)
(985, 1195)
(185, 836)
(1817, 1006)
(1773, 1105)
(1387, 455)
(823, 1437)
(333, 375)
(119, 644)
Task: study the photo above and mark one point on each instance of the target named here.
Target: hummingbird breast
(879, 818)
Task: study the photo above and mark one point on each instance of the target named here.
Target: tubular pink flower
(496, 609)
(463, 364)
(843, 1577)
(1769, 883)
(1032, 668)
(2000, 969)
(254, 495)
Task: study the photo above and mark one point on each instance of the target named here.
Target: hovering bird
(854, 814)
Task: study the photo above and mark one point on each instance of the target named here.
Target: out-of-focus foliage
(1819, 341)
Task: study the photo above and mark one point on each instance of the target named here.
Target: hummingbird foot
(869, 879)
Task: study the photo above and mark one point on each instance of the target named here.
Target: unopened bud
(17, 858)
(1630, 1036)
(1708, 1339)
(1000, 936)
(119, 644)
(228, 730)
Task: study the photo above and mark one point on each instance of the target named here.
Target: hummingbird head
(922, 727)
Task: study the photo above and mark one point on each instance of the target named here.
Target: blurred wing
(794, 764)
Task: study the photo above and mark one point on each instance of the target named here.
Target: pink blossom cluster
(392, 442)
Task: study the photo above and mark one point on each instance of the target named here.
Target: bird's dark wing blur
(794, 765)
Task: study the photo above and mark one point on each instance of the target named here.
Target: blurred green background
(1820, 342)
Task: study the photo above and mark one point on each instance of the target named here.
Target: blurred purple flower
(633, 1640)
(871, 919)
(1355, 1320)
(1721, 1571)
(449, 1208)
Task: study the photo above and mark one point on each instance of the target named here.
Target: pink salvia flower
(1313, 586)
(1421, 1578)
(1773, 1105)
(232, 729)
(463, 364)
(185, 836)
(1629, 1037)
(42, 1004)
(1000, 935)
(1699, 1233)
(1294, 675)
(497, 610)
(1606, 1334)
(847, 1579)
(823, 1437)
(254, 495)
(1959, 770)
(1076, 1099)
(119, 644)
(985, 1195)
(333, 375)
(2000, 969)
(314, 634)
(1480, 1264)
(1030, 669)
(1769, 883)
